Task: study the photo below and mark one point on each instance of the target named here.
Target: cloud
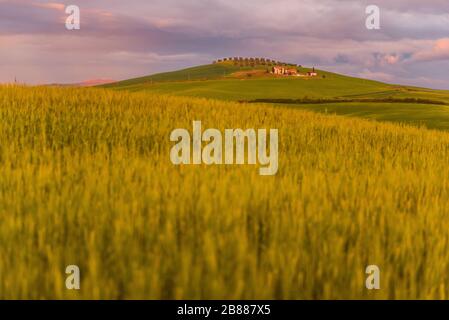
(50, 5)
(391, 58)
(440, 51)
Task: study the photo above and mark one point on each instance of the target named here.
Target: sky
(123, 39)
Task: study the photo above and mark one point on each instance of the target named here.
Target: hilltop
(252, 81)
(219, 69)
(228, 80)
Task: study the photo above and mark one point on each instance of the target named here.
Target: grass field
(86, 179)
(422, 115)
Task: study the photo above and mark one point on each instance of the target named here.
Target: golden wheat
(86, 179)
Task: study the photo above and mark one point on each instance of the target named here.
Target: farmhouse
(292, 71)
(284, 71)
(278, 70)
(312, 73)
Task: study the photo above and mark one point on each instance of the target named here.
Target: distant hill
(214, 71)
(228, 81)
(327, 92)
(86, 83)
(202, 81)
(95, 82)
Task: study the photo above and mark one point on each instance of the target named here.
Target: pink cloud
(440, 51)
(50, 5)
(391, 59)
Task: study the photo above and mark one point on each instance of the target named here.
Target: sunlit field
(86, 179)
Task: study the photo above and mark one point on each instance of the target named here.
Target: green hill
(328, 92)
(213, 71)
(230, 82)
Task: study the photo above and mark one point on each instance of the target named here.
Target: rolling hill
(328, 92)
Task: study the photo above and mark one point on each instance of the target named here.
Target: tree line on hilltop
(252, 62)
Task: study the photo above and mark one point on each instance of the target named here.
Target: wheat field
(86, 179)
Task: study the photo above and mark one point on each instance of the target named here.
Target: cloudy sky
(121, 39)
